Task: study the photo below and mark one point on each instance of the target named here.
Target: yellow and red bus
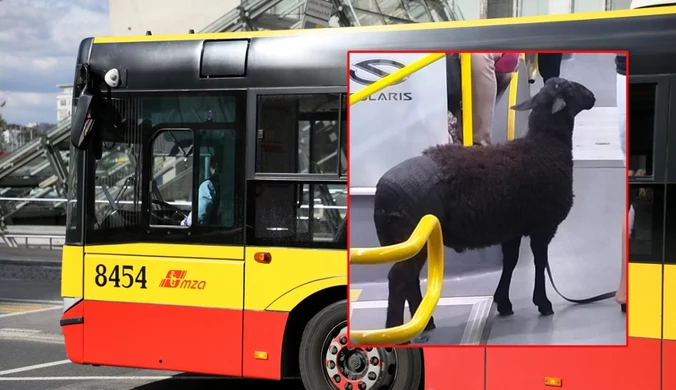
(207, 203)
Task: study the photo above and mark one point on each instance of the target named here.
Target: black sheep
(486, 195)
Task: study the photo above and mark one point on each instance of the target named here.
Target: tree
(3, 124)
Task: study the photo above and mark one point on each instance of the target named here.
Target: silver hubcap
(359, 368)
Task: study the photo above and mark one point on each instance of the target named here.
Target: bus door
(164, 253)
(661, 92)
(296, 211)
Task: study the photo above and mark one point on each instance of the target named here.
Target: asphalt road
(32, 354)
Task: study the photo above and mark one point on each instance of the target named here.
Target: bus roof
(601, 15)
(313, 58)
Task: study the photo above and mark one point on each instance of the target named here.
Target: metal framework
(253, 15)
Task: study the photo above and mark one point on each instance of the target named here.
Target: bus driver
(207, 201)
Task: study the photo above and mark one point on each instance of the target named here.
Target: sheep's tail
(392, 227)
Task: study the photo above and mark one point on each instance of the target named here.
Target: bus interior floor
(466, 313)
(585, 259)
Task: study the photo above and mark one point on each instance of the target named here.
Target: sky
(38, 44)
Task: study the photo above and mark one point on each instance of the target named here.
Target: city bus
(207, 202)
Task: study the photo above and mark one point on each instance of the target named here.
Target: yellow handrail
(394, 77)
(428, 231)
(467, 103)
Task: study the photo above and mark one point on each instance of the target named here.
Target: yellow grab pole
(394, 77)
(466, 85)
(428, 231)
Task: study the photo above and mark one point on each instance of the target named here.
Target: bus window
(299, 133)
(73, 188)
(645, 239)
(172, 174)
(190, 109)
(642, 98)
(307, 215)
(117, 191)
(343, 137)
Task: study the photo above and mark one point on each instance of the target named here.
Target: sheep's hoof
(546, 311)
(505, 309)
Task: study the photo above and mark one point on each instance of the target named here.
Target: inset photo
(487, 198)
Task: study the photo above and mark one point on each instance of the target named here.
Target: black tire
(313, 346)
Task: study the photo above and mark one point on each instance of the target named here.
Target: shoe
(623, 306)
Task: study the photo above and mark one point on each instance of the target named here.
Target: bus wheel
(327, 363)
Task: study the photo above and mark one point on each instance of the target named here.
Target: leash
(596, 298)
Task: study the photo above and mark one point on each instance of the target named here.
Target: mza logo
(176, 279)
(367, 72)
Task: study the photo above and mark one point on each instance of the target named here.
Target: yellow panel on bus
(163, 280)
(669, 302)
(644, 305)
(71, 271)
(291, 276)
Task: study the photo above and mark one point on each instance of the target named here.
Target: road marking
(112, 378)
(18, 313)
(16, 307)
(34, 301)
(30, 335)
(33, 367)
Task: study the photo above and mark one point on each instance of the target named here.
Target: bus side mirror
(84, 120)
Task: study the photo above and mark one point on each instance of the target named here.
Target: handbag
(507, 63)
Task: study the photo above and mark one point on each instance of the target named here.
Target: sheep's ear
(558, 105)
(523, 106)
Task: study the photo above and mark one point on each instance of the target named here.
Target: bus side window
(172, 173)
(343, 137)
(299, 134)
(314, 220)
(642, 103)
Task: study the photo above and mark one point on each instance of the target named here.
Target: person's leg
(549, 65)
(484, 91)
(621, 96)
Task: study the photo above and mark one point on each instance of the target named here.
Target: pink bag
(507, 63)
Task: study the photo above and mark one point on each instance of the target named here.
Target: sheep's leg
(510, 256)
(404, 285)
(404, 276)
(413, 291)
(539, 244)
(396, 299)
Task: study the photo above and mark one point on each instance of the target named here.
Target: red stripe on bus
(636, 366)
(668, 364)
(263, 332)
(163, 337)
(73, 335)
(454, 368)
